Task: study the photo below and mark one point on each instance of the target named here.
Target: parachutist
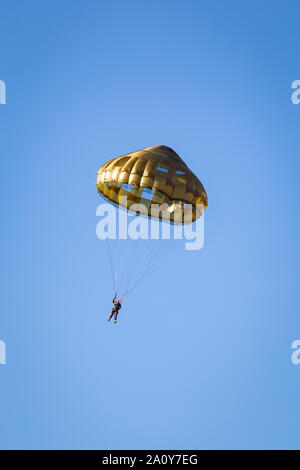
(152, 182)
(115, 309)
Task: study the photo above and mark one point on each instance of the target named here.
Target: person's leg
(112, 312)
(116, 315)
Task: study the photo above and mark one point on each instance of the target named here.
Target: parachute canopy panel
(151, 176)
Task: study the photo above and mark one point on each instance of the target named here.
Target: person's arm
(114, 298)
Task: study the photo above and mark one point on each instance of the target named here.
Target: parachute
(151, 175)
(154, 177)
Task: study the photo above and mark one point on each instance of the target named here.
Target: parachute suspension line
(137, 259)
(132, 260)
(145, 268)
(138, 254)
(111, 262)
(114, 253)
(117, 254)
(141, 266)
(141, 273)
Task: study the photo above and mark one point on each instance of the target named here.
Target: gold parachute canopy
(153, 176)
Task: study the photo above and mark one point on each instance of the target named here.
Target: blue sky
(201, 357)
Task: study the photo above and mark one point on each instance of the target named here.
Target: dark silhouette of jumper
(115, 309)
